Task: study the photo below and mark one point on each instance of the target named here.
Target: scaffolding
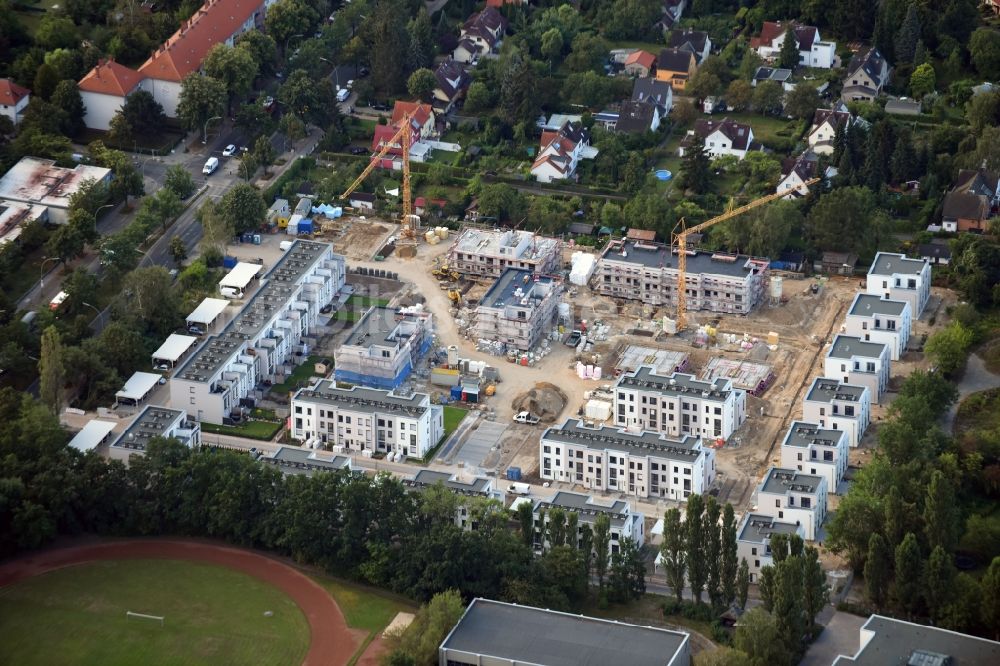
(663, 361)
(754, 378)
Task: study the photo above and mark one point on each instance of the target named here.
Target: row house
(753, 540)
(813, 51)
(480, 253)
(625, 523)
(261, 342)
(855, 361)
(835, 404)
(362, 419)
(880, 319)
(677, 405)
(642, 464)
(473, 495)
(561, 152)
(295, 460)
(794, 497)
(813, 449)
(482, 34)
(155, 422)
(900, 278)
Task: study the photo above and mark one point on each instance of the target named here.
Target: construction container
(772, 338)
(452, 356)
(229, 262)
(598, 410)
(514, 473)
(456, 393)
(776, 288)
(489, 390)
(445, 377)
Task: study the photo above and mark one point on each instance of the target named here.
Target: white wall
(100, 109)
(167, 93)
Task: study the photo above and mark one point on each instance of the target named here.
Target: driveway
(842, 635)
(975, 379)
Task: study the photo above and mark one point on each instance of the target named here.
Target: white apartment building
(854, 361)
(678, 404)
(900, 278)
(363, 419)
(488, 253)
(810, 448)
(833, 404)
(879, 319)
(384, 347)
(647, 272)
(791, 496)
(259, 343)
(625, 523)
(753, 540)
(479, 487)
(643, 464)
(519, 309)
(152, 422)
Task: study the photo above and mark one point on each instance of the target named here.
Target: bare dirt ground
(357, 239)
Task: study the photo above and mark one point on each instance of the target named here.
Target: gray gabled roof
(802, 434)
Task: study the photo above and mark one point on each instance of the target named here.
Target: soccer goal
(129, 615)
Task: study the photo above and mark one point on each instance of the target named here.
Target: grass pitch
(213, 616)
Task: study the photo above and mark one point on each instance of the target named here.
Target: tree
(674, 551)
(815, 589)
(66, 96)
(286, 19)
(56, 32)
(202, 98)
(389, 44)
(877, 572)
(696, 169)
(517, 89)
(179, 181)
(51, 371)
(839, 220)
(908, 575)
(739, 95)
(941, 520)
(602, 540)
(949, 347)
(178, 250)
(788, 56)
(721, 656)
(684, 112)
(45, 82)
(242, 208)
(430, 626)
(141, 115)
(235, 68)
(922, 80)
(421, 33)
(743, 584)
(526, 519)
(713, 550)
(587, 53)
(768, 98)
(261, 47)
(263, 153)
(788, 603)
(939, 580)
(704, 83)
(421, 84)
(802, 101)
(759, 637)
(984, 49)
(696, 538)
(728, 569)
(990, 609)
(552, 45)
(908, 36)
(478, 97)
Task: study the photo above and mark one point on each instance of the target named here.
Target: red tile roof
(805, 35)
(641, 57)
(419, 113)
(184, 51)
(110, 78)
(11, 93)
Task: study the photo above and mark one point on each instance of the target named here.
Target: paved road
(976, 378)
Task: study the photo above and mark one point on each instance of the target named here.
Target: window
(298, 410)
(777, 503)
(753, 551)
(546, 449)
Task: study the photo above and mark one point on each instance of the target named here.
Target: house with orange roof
(639, 64)
(813, 51)
(422, 129)
(561, 151)
(13, 100)
(104, 90)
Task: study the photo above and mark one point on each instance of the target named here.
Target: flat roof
(824, 389)
(359, 398)
(779, 480)
(241, 275)
(662, 361)
(608, 437)
(175, 346)
(502, 242)
(14, 215)
(870, 304)
(517, 287)
(548, 638)
(717, 390)
(36, 180)
(755, 527)
(890, 263)
(656, 255)
(138, 386)
(587, 509)
(294, 460)
(207, 311)
(426, 478)
(153, 421)
(847, 346)
(92, 434)
(375, 326)
(899, 642)
(804, 434)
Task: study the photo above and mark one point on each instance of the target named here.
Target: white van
(58, 300)
(343, 94)
(285, 245)
(210, 166)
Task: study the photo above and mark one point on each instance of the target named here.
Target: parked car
(210, 166)
(358, 150)
(228, 150)
(268, 102)
(525, 417)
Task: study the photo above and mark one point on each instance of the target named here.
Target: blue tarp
(332, 212)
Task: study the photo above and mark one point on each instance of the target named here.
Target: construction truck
(445, 273)
(455, 296)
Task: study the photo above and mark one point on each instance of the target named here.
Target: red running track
(332, 642)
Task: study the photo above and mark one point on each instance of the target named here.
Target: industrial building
(384, 347)
(647, 272)
(488, 253)
(363, 419)
(39, 182)
(519, 309)
(259, 343)
(855, 361)
(678, 404)
(794, 497)
(296, 460)
(155, 422)
(897, 277)
(886, 640)
(812, 449)
(644, 464)
(835, 404)
(15, 216)
(880, 319)
(502, 634)
(625, 523)
(466, 512)
(753, 540)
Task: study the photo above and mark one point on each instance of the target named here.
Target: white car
(228, 150)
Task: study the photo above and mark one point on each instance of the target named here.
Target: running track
(332, 642)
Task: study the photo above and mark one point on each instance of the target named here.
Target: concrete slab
(841, 635)
(479, 443)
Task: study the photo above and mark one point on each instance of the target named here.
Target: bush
(720, 634)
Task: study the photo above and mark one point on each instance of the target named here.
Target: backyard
(299, 377)
(262, 430)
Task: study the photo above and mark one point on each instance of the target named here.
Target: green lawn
(359, 301)
(263, 430)
(768, 129)
(299, 377)
(212, 615)
(452, 417)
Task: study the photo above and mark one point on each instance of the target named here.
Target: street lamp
(100, 315)
(290, 38)
(204, 132)
(41, 273)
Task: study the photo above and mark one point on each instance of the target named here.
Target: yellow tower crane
(404, 136)
(678, 243)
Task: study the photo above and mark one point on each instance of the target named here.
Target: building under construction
(384, 347)
(716, 282)
(519, 309)
(488, 253)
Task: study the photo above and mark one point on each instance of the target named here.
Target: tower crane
(404, 135)
(679, 237)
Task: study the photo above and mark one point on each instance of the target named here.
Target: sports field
(213, 615)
